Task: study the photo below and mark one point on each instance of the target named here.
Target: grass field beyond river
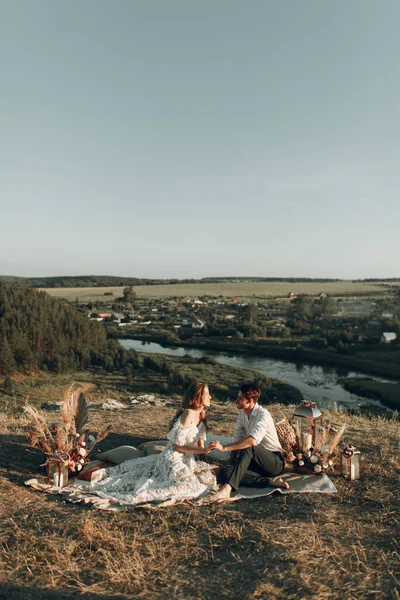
(243, 290)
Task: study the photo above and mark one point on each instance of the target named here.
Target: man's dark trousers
(256, 458)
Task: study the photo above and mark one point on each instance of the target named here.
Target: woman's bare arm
(190, 449)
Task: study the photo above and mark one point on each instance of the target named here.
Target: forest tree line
(40, 332)
(85, 281)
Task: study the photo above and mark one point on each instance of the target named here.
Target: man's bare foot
(223, 494)
(279, 482)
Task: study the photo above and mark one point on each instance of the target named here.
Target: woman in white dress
(173, 474)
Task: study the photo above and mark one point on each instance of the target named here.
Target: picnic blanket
(78, 491)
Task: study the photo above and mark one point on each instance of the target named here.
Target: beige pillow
(94, 470)
(154, 447)
(119, 455)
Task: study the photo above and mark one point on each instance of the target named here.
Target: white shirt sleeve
(239, 432)
(261, 427)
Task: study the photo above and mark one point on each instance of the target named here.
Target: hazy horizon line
(178, 279)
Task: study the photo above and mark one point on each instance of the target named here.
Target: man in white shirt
(255, 445)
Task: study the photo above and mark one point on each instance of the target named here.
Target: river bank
(169, 373)
(388, 393)
(388, 366)
(320, 384)
(165, 375)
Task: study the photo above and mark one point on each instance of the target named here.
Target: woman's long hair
(193, 398)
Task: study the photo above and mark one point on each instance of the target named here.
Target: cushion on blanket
(94, 470)
(119, 455)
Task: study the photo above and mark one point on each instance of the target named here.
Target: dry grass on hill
(339, 546)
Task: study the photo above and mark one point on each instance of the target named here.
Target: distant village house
(388, 337)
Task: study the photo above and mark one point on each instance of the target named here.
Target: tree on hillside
(129, 295)
(7, 362)
(325, 307)
(248, 313)
(301, 308)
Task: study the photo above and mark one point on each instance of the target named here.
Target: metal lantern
(350, 462)
(57, 470)
(305, 423)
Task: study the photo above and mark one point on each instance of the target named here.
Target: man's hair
(250, 391)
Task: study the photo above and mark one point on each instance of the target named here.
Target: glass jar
(57, 471)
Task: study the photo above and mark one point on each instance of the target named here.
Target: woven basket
(286, 435)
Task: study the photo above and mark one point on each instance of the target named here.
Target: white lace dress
(159, 477)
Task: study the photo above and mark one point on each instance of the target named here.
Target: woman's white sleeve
(178, 434)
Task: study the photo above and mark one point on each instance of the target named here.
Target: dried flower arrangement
(318, 459)
(67, 437)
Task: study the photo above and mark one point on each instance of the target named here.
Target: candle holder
(305, 419)
(350, 462)
(57, 470)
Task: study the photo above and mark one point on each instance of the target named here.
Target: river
(320, 384)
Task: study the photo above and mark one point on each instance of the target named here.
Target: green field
(241, 290)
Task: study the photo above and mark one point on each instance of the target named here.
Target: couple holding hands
(179, 473)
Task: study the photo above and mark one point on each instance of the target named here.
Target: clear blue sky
(184, 138)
